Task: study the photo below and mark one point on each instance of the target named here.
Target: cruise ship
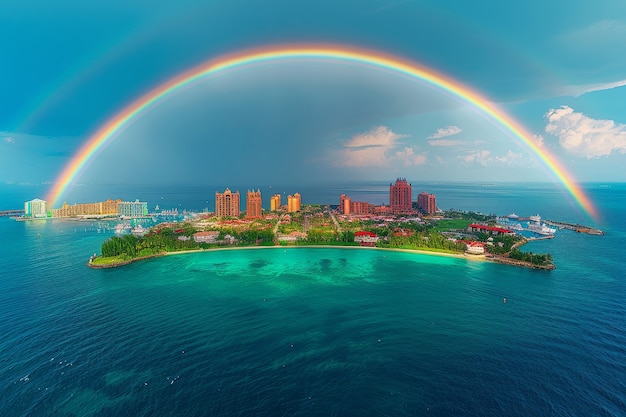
(535, 225)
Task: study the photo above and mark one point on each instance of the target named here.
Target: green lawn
(444, 225)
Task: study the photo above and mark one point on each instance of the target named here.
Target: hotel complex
(293, 203)
(227, 203)
(427, 203)
(275, 202)
(400, 197)
(36, 208)
(253, 204)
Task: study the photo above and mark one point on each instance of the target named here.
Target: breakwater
(575, 227)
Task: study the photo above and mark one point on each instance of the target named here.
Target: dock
(11, 212)
(575, 227)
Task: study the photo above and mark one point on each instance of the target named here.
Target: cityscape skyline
(229, 204)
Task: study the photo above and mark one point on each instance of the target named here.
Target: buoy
(504, 300)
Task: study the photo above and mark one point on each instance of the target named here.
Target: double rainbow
(374, 59)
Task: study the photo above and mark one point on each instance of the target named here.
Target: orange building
(227, 204)
(427, 203)
(293, 203)
(400, 197)
(275, 202)
(344, 204)
(253, 204)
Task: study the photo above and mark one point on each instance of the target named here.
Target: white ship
(535, 225)
(122, 227)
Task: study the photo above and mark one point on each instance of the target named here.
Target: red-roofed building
(491, 230)
(366, 238)
(206, 237)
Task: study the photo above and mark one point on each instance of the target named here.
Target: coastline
(185, 252)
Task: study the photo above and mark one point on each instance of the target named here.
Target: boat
(122, 228)
(535, 225)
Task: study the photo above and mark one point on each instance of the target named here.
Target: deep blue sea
(320, 332)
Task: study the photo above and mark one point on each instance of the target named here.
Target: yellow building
(275, 202)
(253, 204)
(293, 203)
(102, 208)
(227, 203)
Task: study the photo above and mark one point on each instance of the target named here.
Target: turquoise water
(316, 331)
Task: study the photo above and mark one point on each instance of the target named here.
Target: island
(451, 233)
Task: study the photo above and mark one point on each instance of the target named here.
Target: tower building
(427, 203)
(275, 202)
(400, 197)
(253, 204)
(227, 203)
(293, 203)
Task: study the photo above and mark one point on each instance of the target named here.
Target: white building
(36, 208)
(132, 209)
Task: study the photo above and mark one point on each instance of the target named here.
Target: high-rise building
(293, 203)
(344, 204)
(427, 203)
(36, 208)
(275, 202)
(132, 208)
(253, 204)
(400, 197)
(227, 203)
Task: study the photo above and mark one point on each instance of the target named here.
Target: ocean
(316, 331)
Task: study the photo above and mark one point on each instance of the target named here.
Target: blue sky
(68, 66)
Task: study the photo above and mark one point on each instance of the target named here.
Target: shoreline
(482, 258)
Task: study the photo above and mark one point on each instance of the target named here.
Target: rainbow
(374, 59)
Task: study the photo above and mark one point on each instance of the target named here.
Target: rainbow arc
(376, 59)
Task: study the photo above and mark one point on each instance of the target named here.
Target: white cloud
(509, 159)
(9, 139)
(484, 158)
(579, 90)
(539, 140)
(371, 148)
(408, 157)
(445, 142)
(446, 131)
(478, 157)
(583, 135)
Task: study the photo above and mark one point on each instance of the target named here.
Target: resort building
(400, 197)
(275, 202)
(293, 203)
(344, 204)
(206, 237)
(490, 230)
(227, 203)
(36, 208)
(102, 208)
(347, 206)
(132, 208)
(427, 203)
(366, 238)
(253, 204)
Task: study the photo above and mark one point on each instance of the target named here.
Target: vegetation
(535, 259)
(319, 229)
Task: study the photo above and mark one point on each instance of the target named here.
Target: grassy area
(108, 260)
(444, 225)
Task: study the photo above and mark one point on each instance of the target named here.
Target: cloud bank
(378, 148)
(583, 135)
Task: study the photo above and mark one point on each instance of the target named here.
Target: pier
(575, 227)
(11, 213)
